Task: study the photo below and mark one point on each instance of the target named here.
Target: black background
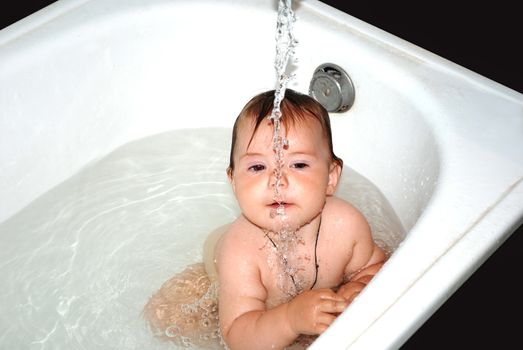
(485, 38)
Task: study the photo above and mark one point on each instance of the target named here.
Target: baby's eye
(299, 165)
(256, 168)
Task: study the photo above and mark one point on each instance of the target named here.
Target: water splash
(286, 236)
(285, 45)
(282, 259)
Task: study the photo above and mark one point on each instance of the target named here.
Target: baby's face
(308, 174)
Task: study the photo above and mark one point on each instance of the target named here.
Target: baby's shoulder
(337, 206)
(240, 239)
(343, 217)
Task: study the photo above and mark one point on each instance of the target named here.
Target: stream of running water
(285, 44)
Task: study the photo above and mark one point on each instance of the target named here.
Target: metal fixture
(332, 87)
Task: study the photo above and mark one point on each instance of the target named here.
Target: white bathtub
(445, 146)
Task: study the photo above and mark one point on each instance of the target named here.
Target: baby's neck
(302, 234)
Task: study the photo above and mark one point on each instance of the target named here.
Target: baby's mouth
(276, 205)
(278, 209)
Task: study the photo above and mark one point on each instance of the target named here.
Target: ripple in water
(79, 263)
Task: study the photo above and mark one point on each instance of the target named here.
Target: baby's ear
(231, 178)
(334, 176)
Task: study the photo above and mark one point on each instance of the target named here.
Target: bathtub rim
(401, 319)
(60, 7)
(478, 80)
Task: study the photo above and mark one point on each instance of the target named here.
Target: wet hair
(295, 107)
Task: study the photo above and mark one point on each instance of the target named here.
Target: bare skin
(255, 312)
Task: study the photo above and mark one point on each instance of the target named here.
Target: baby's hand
(350, 290)
(313, 311)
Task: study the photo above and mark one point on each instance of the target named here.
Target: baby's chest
(283, 278)
(330, 271)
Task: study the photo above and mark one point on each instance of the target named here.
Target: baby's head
(296, 109)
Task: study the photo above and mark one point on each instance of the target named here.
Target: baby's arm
(366, 258)
(244, 320)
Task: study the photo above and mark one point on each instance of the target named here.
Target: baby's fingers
(324, 321)
(329, 294)
(333, 306)
(348, 290)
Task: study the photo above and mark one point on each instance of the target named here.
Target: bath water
(79, 263)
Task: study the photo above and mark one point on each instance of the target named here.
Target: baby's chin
(277, 221)
(281, 223)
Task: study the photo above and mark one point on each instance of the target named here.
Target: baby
(287, 267)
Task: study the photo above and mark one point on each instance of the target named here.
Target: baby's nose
(278, 178)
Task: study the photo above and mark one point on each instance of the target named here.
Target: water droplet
(171, 331)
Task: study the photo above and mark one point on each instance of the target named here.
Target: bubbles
(185, 309)
(172, 331)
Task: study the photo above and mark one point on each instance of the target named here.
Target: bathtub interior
(162, 78)
(91, 76)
